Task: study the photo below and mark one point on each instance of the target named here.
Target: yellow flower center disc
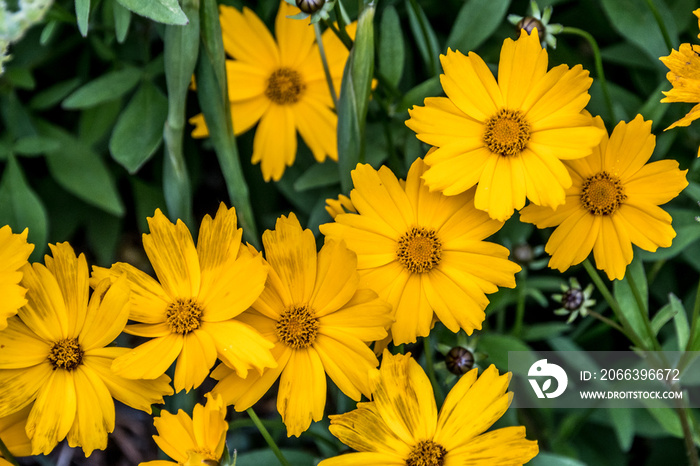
(183, 316)
(419, 250)
(297, 327)
(427, 453)
(507, 132)
(66, 354)
(285, 86)
(602, 194)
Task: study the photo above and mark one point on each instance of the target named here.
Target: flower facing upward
(54, 353)
(189, 314)
(319, 320)
(684, 75)
(192, 441)
(422, 251)
(281, 84)
(613, 202)
(14, 252)
(401, 425)
(509, 137)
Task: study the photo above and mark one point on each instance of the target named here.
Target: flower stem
(430, 367)
(694, 320)
(326, 68)
(268, 438)
(642, 311)
(607, 321)
(598, 66)
(690, 449)
(5, 453)
(660, 22)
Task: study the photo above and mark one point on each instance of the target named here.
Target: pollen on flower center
(285, 86)
(507, 132)
(297, 327)
(66, 354)
(427, 453)
(602, 194)
(419, 250)
(183, 316)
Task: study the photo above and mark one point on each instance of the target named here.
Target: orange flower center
(297, 327)
(507, 132)
(285, 86)
(602, 194)
(183, 316)
(427, 453)
(66, 354)
(419, 250)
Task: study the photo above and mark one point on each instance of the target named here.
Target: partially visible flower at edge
(14, 252)
(189, 315)
(401, 426)
(192, 441)
(56, 349)
(613, 202)
(342, 205)
(282, 85)
(684, 75)
(14, 435)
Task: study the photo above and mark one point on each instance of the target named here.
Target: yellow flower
(613, 202)
(319, 320)
(189, 314)
(509, 137)
(684, 75)
(422, 251)
(194, 441)
(14, 252)
(280, 84)
(55, 354)
(401, 426)
(342, 205)
(14, 435)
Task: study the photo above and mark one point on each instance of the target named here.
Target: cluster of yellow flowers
(398, 257)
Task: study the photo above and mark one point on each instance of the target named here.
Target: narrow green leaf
(391, 46)
(424, 36)
(122, 20)
(318, 175)
(551, 459)
(623, 424)
(48, 31)
(54, 94)
(139, 129)
(417, 95)
(496, 347)
(82, 12)
(20, 77)
(662, 317)
(680, 321)
(98, 121)
(107, 87)
(21, 208)
(35, 145)
(628, 304)
(476, 21)
(161, 11)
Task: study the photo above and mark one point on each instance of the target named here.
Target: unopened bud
(459, 360)
(310, 6)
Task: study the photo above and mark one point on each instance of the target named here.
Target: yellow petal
(413, 314)
(365, 459)
(71, 275)
(175, 435)
(347, 361)
(612, 250)
(295, 36)
(246, 113)
(468, 83)
(240, 346)
(49, 422)
(198, 355)
(501, 446)
(317, 125)
(246, 38)
(151, 359)
(275, 143)
(21, 347)
(365, 317)
(440, 122)
(245, 80)
(365, 430)
(302, 391)
(209, 424)
(19, 387)
(522, 65)
(107, 314)
(14, 436)
(95, 412)
(45, 312)
(573, 240)
(336, 278)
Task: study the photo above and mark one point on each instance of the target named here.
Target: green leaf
(103, 232)
(48, 31)
(82, 12)
(662, 317)
(425, 36)
(634, 21)
(35, 145)
(96, 122)
(256, 458)
(623, 424)
(21, 208)
(20, 77)
(161, 11)
(81, 171)
(122, 20)
(628, 304)
(538, 332)
(107, 87)
(680, 321)
(476, 21)
(318, 175)
(391, 47)
(54, 94)
(139, 129)
(496, 347)
(545, 458)
(417, 94)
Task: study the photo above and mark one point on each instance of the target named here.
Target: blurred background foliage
(84, 102)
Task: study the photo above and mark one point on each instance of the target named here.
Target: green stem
(629, 333)
(268, 438)
(660, 22)
(643, 313)
(326, 68)
(598, 66)
(654, 272)
(694, 320)
(690, 449)
(5, 453)
(430, 368)
(607, 321)
(341, 30)
(519, 311)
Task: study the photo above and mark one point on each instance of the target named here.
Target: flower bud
(310, 6)
(529, 23)
(459, 360)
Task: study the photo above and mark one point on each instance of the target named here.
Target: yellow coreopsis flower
(14, 435)
(192, 441)
(509, 136)
(54, 353)
(14, 252)
(342, 205)
(684, 75)
(401, 425)
(613, 202)
(320, 321)
(422, 251)
(282, 85)
(188, 316)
